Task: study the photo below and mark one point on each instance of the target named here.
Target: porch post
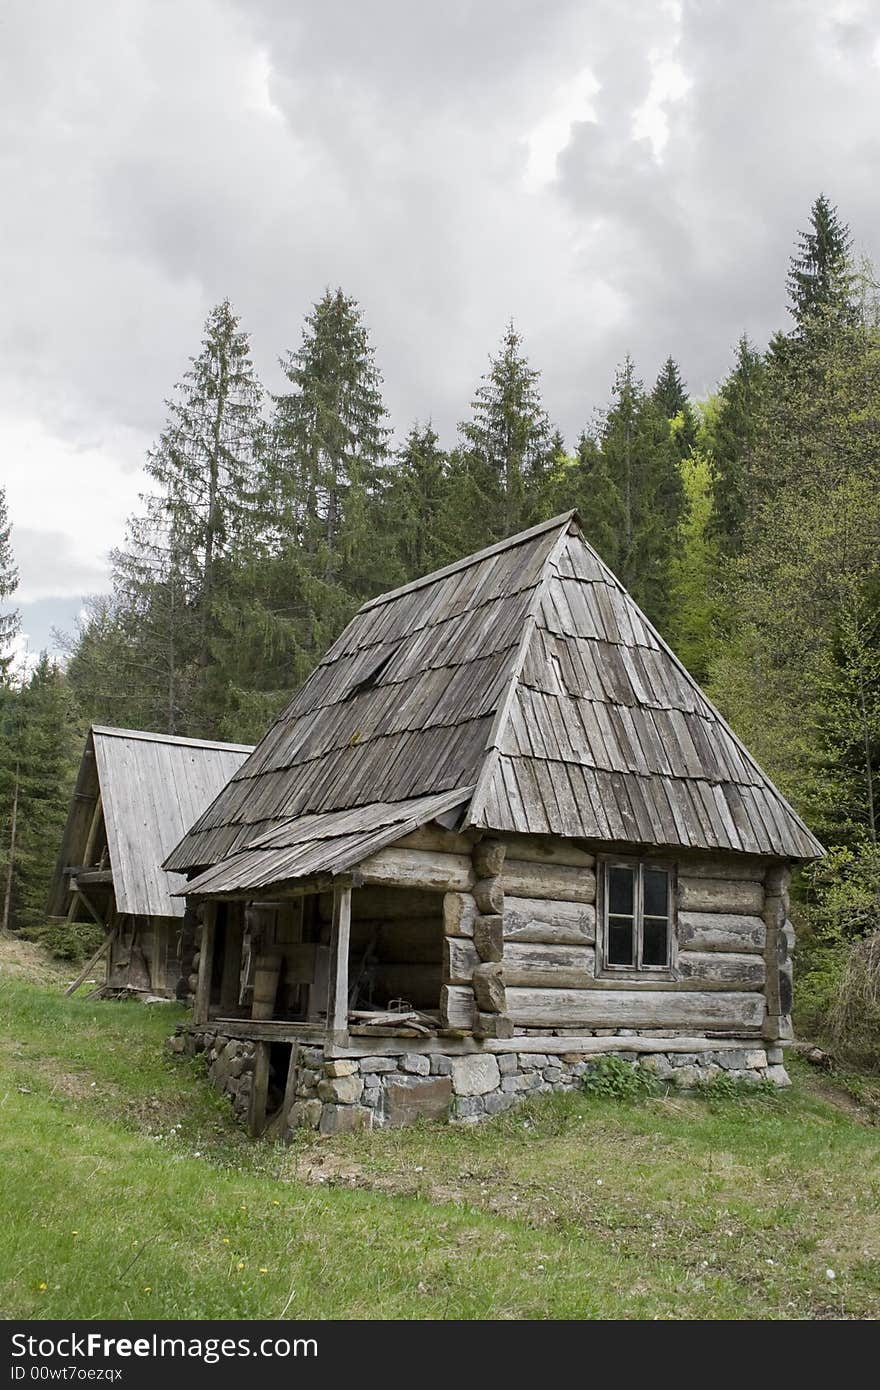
(202, 1000)
(337, 995)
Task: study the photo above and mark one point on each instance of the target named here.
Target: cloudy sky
(616, 176)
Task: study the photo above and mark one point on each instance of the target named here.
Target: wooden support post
(337, 994)
(202, 1001)
(259, 1091)
(91, 962)
(91, 838)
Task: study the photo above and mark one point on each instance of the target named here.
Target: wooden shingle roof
(528, 673)
(152, 786)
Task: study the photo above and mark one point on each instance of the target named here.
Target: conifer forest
(746, 525)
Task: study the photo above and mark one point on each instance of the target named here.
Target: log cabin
(497, 832)
(135, 795)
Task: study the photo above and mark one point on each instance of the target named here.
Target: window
(637, 915)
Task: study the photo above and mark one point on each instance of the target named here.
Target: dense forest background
(747, 526)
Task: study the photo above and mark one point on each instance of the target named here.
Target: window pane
(620, 890)
(656, 892)
(620, 941)
(655, 938)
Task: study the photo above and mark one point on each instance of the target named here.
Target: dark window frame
(638, 970)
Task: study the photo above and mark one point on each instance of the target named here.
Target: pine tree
(641, 458)
(671, 399)
(209, 506)
(330, 444)
(506, 446)
(732, 432)
(42, 736)
(582, 481)
(669, 393)
(420, 506)
(9, 620)
(820, 277)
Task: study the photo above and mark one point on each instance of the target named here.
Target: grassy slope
(125, 1191)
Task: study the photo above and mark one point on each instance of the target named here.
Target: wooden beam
(337, 994)
(100, 878)
(202, 999)
(92, 962)
(259, 1091)
(97, 817)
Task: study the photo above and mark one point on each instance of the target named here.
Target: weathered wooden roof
(152, 788)
(324, 844)
(528, 672)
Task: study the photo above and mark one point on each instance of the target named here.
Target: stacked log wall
(725, 958)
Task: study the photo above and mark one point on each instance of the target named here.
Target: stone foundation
(349, 1093)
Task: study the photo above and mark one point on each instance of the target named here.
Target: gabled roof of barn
(152, 788)
(525, 679)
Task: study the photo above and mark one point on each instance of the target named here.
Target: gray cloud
(160, 154)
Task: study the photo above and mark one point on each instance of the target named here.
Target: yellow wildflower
(240, 1265)
(42, 1286)
(263, 1270)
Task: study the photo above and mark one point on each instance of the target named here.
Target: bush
(817, 978)
(854, 1018)
(72, 941)
(724, 1087)
(614, 1079)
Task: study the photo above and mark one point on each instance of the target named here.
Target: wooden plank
(551, 923)
(720, 895)
(720, 931)
(259, 1091)
(740, 869)
(337, 994)
(201, 1002)
(555, 881)
(459, 959)
(91, 962)
(715, 970)
(435, 838)
(459, 911)
(381, 903)
(629, 1008)
(570, 1044)
(457, 1006)
(539, 966)
(413, 868)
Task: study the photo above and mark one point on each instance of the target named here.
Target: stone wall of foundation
(336, 1095)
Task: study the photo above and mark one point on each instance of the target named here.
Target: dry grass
(23, 960)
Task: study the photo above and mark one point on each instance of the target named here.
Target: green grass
(126, 1191)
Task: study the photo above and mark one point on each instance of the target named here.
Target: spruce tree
(330, 445)
(669, 392)
(731, 439)
(820, 278)
(506, 446)
(9, 618)
(641, 458)
(671, 399)
(43, 735)
(208, 507)
(582, 481)
(420, 505)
